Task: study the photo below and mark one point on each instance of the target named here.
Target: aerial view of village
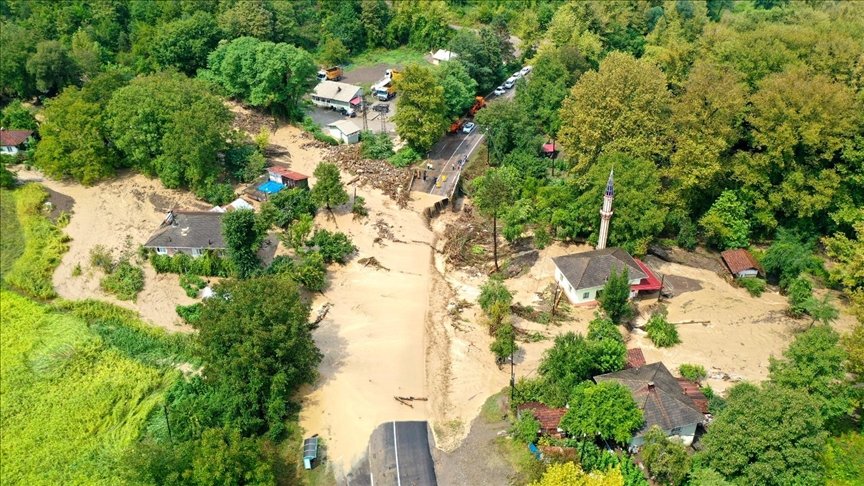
(432, 242)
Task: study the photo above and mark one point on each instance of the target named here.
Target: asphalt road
(398, 455)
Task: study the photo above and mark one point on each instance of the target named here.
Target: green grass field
(72, 403)
(402, 56)
(79, 380)
(35, 245)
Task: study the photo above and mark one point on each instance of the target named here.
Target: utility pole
(512, 371)
(167, 422)
(365, 116)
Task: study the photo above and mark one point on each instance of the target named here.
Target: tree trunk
(495, 239)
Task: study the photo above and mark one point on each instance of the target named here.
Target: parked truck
(479, 102)
(330, 74)
(384, 90)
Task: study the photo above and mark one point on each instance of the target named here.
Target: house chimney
(650, 386)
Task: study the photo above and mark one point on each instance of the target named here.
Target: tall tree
(421, 114)
(725, 225)
(185, 43)
(566, 364)
(375, 15)
(621, 107)
(247, 18)
(180, 128)
(509, 127)
(481, 54)
(814, 363)
(666, 459)
(243, 236)
(15, 116)
(420, 24)
(52, 67)
(603, 410)
(328, 190)
(543, 92)
(770, 435)
(18, 44)
(459, 88)
(615, 299)
(493, 193)
(273, 76)
(226, 457)
(571, 474)
(254, 336)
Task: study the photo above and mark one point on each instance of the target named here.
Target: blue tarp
(271, 187)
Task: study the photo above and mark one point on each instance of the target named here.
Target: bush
(189, 313)
(725, 224)
(124, 282)
(310, 126)
(525, 428)
(311, 272)
(216, 193)
(799, 293)
(789, 256)
(504, 344)
(7, 178)
(192, 284)
(601, 327)
(100, 257)
(755, 286)
(333, 247)
(405, 157)
(208, 265)
(376, 146)
(359, 208)
(661, 332)
(692, 372)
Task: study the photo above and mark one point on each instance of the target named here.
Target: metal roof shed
(310, 451)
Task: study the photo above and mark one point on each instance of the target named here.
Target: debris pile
(372, 262)
(379, 174)
(250, 121)
(466, 240)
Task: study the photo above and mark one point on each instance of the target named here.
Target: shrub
(504, 344)
(525, 428)
(216, 193)
(376, 146)
(755, 286)
(125, 281)
(100, 257)
(7, 178)
(799, 293)
(189, 313)
(76, 271)
(359, 208)
(661, 332)
(789, 256)
(692, 372)
(333, 247)
(311, 272)
(405, 157)
(726, 224)
(43, 245)
(208, 265)
(192, 284)
(310, 126)
(601, 327)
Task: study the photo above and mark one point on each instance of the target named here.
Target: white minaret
(606, 213)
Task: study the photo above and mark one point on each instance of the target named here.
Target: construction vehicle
(479, 102)
(393, 74)
(330, 74)
(384, 90)
(456, 126)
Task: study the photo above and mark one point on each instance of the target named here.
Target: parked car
(525, 70)
(499, 91)
(509, 83)
(468, 127)
(517, 75)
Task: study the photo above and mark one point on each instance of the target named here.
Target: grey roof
(666, 405)
(592, 268)
(189, 229)
(334, 90)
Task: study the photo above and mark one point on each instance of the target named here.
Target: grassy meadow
(79, 380)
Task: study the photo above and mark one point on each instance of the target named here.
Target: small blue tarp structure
(310, 451)
(535, 451)
(271, 187)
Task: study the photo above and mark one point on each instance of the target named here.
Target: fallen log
(403, 402)
(322, 313)
(411, 399)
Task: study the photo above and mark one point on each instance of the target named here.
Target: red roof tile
(635, 358)
(739, 260)
(693, 391)
(290, 174)
(549, 418)
(11, 138)
(650, 282)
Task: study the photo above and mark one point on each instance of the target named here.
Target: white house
(442, 55)
(338, 96)
(663, 402)
(11, 140)
(583, 275)
(345, 130)
(190, 232)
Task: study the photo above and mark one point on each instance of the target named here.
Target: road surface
(398, 455)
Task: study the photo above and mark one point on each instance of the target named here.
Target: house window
(161, 250)
(197, 252)
(585, 295)
(676, 431)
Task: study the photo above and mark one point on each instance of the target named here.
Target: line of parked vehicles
(464, 124)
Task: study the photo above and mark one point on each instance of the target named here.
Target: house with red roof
(741, 263)
(583, 275)
(548, 417)
(287, 178)
(11, 141)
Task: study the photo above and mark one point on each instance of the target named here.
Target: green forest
(727, 123)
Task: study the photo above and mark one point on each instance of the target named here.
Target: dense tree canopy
(421, 115)
(328, 190)
(256, 341)
(770, 435)
(604, 410)
(243, 236)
